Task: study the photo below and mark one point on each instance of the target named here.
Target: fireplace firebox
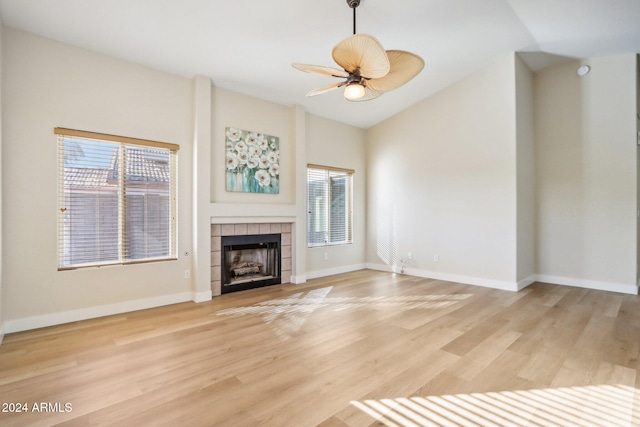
(250, 261)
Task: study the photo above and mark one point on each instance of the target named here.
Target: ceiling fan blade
(369, 94)
(325, 89)
(364, 53)
(318, 69)
(404, 67)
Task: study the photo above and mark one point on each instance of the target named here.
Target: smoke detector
(583, 70)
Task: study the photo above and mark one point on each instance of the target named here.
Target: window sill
(145, 261)
(324, 245)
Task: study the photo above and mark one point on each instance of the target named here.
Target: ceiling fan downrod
(353, 4)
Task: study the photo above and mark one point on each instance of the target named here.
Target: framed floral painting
(253, 162)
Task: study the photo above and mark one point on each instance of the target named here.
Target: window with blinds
(116, 199)
(329, 205)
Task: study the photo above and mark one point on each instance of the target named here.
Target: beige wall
(510, 177)
(331, 143)
(638, 169)
(48, 84)
(231, 109)
(442, 181)
(1, 198)
(586, 163)
(525, 174)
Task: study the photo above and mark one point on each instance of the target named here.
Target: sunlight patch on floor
(290, 313)
(589, 406)
(313, 300)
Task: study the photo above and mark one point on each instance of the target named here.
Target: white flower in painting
(232, 160)
(252, 138)
(272, 157)
(243, 157)
(263, 177)
(263, 144)
(229, 144)
(234, 134)
(252, 163)
(254, 151)
(241, 146)
(263, 162)
(274, 169)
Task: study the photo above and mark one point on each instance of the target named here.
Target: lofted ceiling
(248, 46)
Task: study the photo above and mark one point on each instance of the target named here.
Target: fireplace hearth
(250, 261)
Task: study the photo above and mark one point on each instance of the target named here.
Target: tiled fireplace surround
(219, 230)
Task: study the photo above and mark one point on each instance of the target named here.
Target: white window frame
(319, 215)
(118, 144)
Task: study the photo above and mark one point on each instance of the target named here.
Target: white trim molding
(588, 284)
(526, 282)
(513, 286)
(252, 219)
(467, 280)
(299, 279)
(336, 270)
(35, 322)
(201, 296)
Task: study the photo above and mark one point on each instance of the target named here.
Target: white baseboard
(1, 333)
(336, 270)
(467, 280)
(201, 296)
(45, 320)
(299, 279)
(515, 286)
(526, 282)
(588, 284)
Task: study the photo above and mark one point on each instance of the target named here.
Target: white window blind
(117, 199)
(329, 203)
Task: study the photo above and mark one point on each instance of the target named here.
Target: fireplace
(218, 231)
(250, 261)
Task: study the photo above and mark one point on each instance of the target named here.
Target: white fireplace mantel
(226, 213)
(251, 219)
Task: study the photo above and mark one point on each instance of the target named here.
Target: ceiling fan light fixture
(354, 90)
(368, 68)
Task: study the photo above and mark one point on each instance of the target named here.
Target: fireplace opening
(250, 261)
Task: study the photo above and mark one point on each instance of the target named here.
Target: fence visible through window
(117, 199)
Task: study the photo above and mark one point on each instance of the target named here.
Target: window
(116, 199)
(329, 202)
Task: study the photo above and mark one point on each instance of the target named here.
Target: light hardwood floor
(358, 349)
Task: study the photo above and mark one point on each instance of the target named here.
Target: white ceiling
(248, 45)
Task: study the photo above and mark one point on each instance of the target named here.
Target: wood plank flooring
(360, 349)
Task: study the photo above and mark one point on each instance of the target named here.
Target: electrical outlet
(326, 256)
(409, 255)
(187, 274)
(436, 258)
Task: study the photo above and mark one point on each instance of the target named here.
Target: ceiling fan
(369, 70)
